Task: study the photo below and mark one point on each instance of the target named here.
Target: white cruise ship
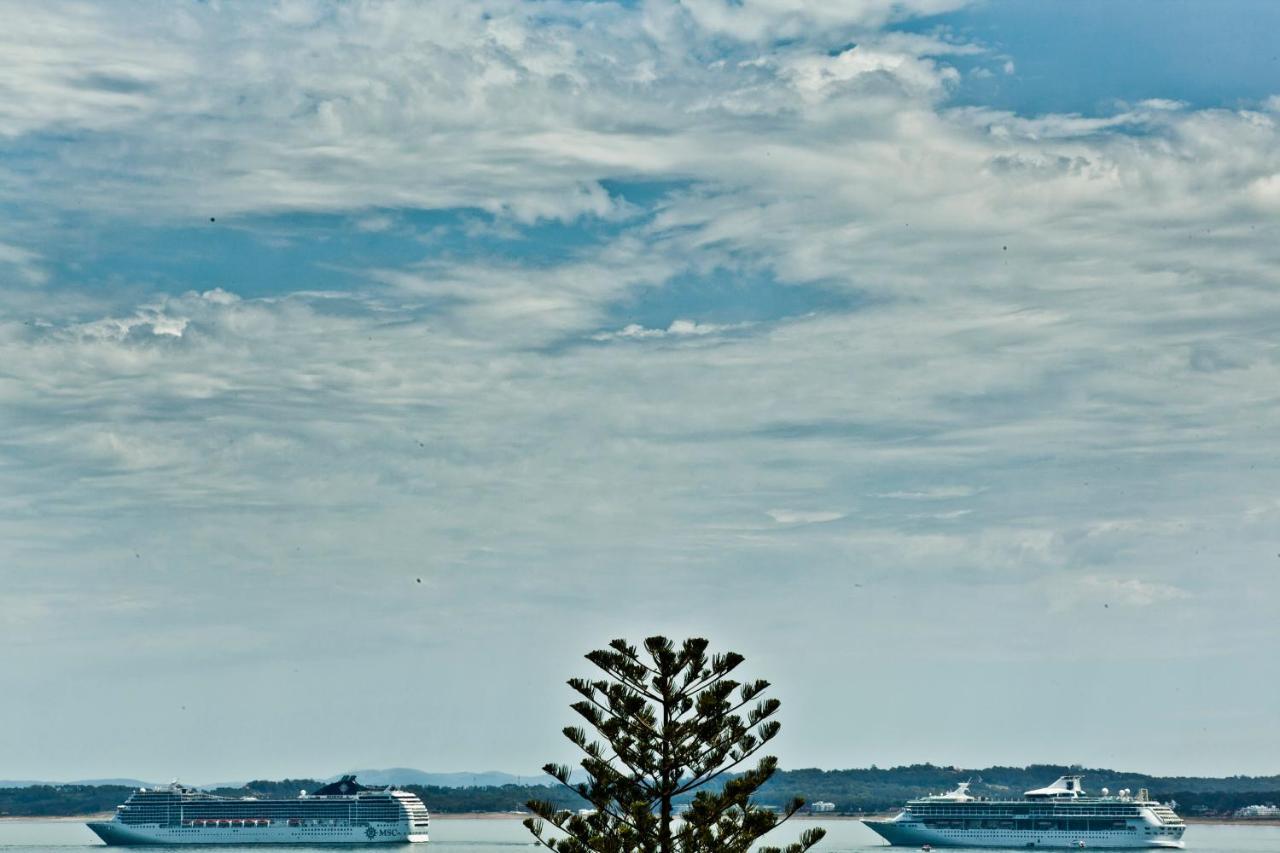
(1059, 816)
(343, 812)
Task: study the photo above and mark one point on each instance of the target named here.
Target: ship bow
(888, 830)
(107, 831)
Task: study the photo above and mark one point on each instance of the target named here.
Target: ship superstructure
(343, 812)
(1060, 815)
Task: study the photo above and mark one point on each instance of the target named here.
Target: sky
(363, 365)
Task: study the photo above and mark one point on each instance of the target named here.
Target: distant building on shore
(1258, 811)
(822, 806)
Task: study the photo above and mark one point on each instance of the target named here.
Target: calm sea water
(502, 836)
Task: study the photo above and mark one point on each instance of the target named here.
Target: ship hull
(900, 834)
(117, 834)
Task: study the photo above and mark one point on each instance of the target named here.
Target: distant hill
(879, 789)
(388, 776)
(410, 776)
(27, 783)
(862, 790)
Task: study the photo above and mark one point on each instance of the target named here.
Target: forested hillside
(853, 791)
(875, 789)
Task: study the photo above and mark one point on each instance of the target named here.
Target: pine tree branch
(634, 685)
(726, 768)
(729, 719)
(617, 716)
(621, 647)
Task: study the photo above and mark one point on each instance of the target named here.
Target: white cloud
(1123, 526)
(792, 516)
(933, 493)
(1167, 104)
(1125, 592)
(25, 263)
(119, 327)
(677, 329)
(220, 296)
(511, 108)
(375, 224)
(1266, 191)
(755, 20)
(818, 77)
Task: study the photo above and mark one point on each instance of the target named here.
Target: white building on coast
(1258, 812)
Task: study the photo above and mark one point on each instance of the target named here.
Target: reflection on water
(500, 836)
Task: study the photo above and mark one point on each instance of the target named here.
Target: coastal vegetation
(854, 791)
(671, 722)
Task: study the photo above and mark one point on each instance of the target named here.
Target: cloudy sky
(364, 364)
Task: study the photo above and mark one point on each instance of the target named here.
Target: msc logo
(371, 833)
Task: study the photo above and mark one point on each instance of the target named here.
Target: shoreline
(1233, 821)
(50, 818)
(1191, 821)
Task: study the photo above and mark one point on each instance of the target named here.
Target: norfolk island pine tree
(670, 721)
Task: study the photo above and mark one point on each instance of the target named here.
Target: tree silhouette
(671, 722)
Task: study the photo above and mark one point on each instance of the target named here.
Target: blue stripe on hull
(116, 835)
(901, 836)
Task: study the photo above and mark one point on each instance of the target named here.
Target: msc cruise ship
(343, 812)
(1060, 816)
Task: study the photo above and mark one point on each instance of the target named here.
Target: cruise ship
(343, 812)
(1058, 816)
